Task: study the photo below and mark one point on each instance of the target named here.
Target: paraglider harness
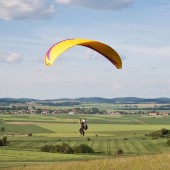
(84, 125)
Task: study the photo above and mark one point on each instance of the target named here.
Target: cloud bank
(99, 4)
(42, 9)
(27, 9)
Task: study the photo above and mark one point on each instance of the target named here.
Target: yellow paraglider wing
(56, 50)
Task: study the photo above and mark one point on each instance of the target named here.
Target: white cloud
(10, 57)
(27, 9)
(42, 9)
(96, 4)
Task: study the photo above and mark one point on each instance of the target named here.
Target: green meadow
(106, 134)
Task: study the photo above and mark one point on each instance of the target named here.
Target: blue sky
(137, 29)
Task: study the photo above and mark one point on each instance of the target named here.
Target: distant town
(117, 106)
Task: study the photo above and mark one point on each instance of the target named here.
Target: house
(165, 114)
(153, 113)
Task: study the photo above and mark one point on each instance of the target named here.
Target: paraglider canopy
(57, 49)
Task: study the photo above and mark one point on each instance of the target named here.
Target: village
(77, 110)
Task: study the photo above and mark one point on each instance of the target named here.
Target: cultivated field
(106, 134)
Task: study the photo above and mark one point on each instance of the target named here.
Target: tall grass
(152, 162)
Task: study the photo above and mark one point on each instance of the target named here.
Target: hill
(121, 100)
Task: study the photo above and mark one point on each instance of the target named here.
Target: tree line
(14, 108)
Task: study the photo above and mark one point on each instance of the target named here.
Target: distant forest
(78, 101)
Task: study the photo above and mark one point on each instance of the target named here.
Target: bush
(83, 149)
(4, 140)
(1, 143)
(160, 133)
(47, 148)
(56, 148)
(119, 152)
(65, 148)
(164, 131)
(29, 134)
(3, 129)
(88, 139)
(168, 142)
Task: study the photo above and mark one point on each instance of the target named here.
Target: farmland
(106, 134)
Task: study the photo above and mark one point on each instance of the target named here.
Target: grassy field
(156, 162)
(106, 134)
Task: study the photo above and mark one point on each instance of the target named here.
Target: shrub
(88, 139)
(4, 140)
(83, 149)
(47, 148)
(119, 152)
(164, 131)
(160, 133)
(56, 148)
(1, 143)
(65, 148)
(3, 129)
(168, 142)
